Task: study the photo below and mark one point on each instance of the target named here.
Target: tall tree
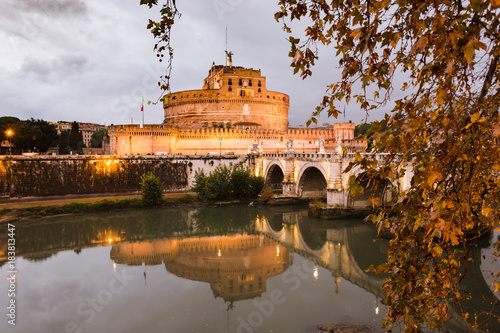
(44, 135)
(29, 134)
(444, 56)
(96, 138)
(446, 128)
(63, 144)
(75, 138)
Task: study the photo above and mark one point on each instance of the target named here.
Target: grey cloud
(50, 7)
(57, 69)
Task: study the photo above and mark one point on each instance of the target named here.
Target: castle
(233, 113)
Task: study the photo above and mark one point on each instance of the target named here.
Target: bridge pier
(338, 198)
(289, 188)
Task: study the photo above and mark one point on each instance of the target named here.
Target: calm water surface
(232, 269)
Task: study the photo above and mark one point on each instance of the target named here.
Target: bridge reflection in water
(237, 266)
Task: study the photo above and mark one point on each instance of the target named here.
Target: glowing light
(315, 273)
(110, 240)
(108, 162)
(114, 266)
(277, 250)
(219, 253)
(9, 132)
(376, 310)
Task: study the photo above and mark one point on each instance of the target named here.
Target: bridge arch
(312, 181)
(274, 176)
(376, 187)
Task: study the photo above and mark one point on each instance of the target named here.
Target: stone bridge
(320, 175)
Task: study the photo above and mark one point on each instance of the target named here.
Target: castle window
(259, 89)
(240, 82)
(246, 92)
(230, 82)
(250, 83)
(230, 89)
(259, 84)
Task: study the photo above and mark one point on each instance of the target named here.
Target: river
(229, 269)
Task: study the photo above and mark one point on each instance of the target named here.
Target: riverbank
(35, 207)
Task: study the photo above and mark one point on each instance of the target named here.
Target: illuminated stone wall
(158, 139)
(58, 175)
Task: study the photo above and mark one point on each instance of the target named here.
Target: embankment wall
(22, 176)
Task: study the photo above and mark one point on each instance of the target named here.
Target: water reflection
(241, 253)
(236, 267)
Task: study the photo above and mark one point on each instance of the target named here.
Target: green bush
(240, 183)
(256, 185)
(266, 194)
(225, 183)
(151, 190)
(316, 205)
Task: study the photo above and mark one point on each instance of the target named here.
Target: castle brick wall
(154, 139)
(231, 96)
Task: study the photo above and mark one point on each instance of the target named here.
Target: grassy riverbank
(33, 208)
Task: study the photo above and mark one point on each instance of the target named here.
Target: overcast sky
(93, 60)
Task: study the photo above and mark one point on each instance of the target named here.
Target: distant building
(233, 113)
(62, 126)
(87, 129)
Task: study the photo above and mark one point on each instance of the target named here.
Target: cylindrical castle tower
(230, 97)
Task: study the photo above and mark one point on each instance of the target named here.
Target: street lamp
(9, 134)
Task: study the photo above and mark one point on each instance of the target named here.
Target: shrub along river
(229, 269)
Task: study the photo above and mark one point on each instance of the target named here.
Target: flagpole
(142, 109)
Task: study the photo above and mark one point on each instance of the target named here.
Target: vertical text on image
(12, 273)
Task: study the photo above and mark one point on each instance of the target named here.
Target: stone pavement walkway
(60, 200)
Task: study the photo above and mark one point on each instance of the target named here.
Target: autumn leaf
(470, 50)
(433, 176)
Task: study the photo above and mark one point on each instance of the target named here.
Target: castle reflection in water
(235, 266)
